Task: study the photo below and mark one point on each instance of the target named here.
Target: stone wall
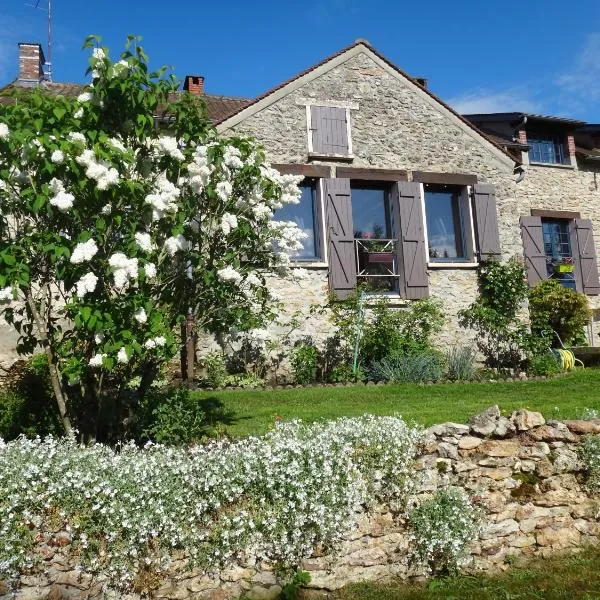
(524, 474)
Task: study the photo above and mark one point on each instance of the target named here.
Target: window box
(563, 268)
(385, 258)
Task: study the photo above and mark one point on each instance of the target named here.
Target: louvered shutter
(486, 222)
(533, 249)
(412, 255)
(584, 256)
(329, 130)
(340, 234)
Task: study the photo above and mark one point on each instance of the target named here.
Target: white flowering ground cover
(279, 496)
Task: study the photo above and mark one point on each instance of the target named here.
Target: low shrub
(408, 368)
(442, 526)
(215, 370)
(543, 365)
(304, 359)
(555, 308)
(589, 452)
(460, 363)
(281, 495)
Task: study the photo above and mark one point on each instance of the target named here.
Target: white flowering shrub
(589, 451)
(441, 528)
(114, 227)
(278, 496)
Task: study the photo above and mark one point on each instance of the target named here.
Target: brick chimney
(194, 84)
(31, 63)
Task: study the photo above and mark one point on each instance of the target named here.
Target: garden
(118, 229)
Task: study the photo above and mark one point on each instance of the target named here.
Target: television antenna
(48, 63)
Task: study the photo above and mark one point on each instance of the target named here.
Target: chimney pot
(194, 84)
(31, 63)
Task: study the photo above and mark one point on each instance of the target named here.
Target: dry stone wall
(523, 472)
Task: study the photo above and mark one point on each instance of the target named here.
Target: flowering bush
(589, 450)
(114, 226)
(442, 526)
(280, 495)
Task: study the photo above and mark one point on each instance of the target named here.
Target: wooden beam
(444, 178)
(306, 170)
(363, 174)
(555, 214)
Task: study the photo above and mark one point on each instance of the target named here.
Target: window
(548, 149)
(374, 238)
(329, 132)
(306, 215)
(557, 248)
(448, 219)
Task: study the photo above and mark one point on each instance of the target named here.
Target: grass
(559, 578)
(242, 412)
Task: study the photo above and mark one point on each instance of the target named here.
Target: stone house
(404, 194)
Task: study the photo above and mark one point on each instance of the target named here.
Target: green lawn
(576, 577)
(253, 412)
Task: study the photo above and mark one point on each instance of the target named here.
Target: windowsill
(452, 265)
(551, 165)
(309, 264)
(337, 157)
(392, 298)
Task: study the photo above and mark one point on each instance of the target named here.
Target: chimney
(194, 84)
(31, 63)
(422, 81)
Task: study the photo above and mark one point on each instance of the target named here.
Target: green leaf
(59, 112)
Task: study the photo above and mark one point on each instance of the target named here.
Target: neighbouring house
(404, 194)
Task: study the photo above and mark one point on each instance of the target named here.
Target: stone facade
(523, 472)
(395, 124)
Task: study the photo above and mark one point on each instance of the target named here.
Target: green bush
(543, 365)
(27, 406)
(460, 364)
(408, 368)
(215, 370)
(555, 308)
(502, 336)
(173, 417)
(304, 360)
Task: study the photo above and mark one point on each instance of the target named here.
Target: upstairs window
(306, 216)
(329, 132)
(448, 218)
(548, 149)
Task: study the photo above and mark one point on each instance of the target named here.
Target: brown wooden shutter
(329, 130)
(414, 282)
(340, 234)
(584, 256)
(486, 222)
(533, 249)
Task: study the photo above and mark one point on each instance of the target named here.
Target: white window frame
(469, 243)
(311, 152)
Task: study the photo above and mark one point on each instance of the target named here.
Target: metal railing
(377, 263)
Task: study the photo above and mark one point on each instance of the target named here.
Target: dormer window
(548, 149)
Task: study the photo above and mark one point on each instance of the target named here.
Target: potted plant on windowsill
(565, 265)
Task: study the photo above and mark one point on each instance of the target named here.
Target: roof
(588, 153)
(414, 80)
(217, 107)
(519, 116)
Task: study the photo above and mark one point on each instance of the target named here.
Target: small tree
(121, 213)
(555, 308)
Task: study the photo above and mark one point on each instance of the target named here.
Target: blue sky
(479, 55)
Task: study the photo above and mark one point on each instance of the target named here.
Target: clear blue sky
(480, 55)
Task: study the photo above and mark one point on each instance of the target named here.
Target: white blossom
(4, 132)
(224, 190)
(84, 252)
(167, 146)
(144, 241)
(140, 316)
(150, 344)
(98, 54)
(101, 172)
(96, 360)
(78, 113)
(229, 274)
(76, 136)
(150, 270)
(175, 244)
(87, 284)
(84, 97)
(6, 295)
(122, 356)
(164, 198)
(124, 269)
(159, 340)
(58, 157)
(228, 222)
